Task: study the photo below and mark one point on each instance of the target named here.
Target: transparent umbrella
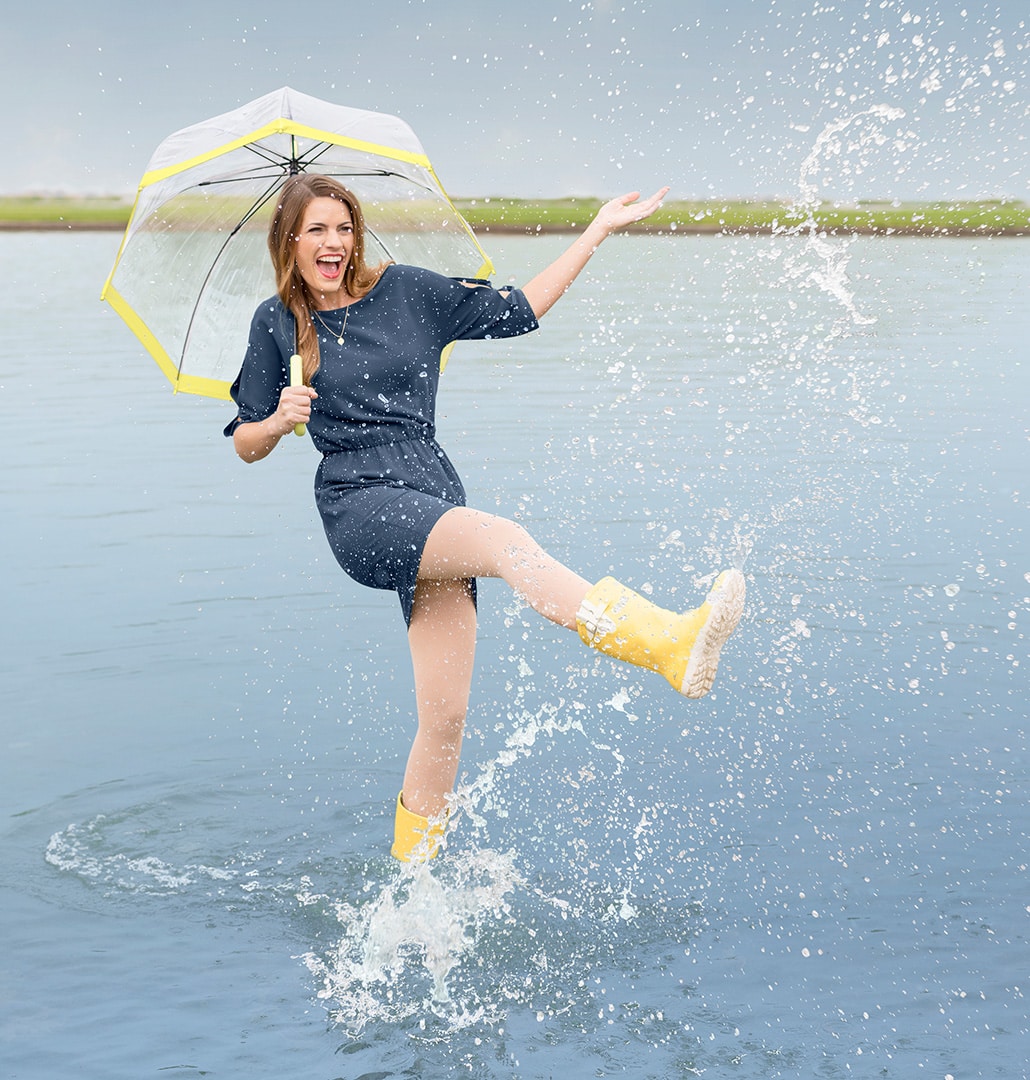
(193, 264)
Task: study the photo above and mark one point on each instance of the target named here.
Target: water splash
(822, 263)
(806, 372)
(425, 921)
(429, 919)
(849, 139)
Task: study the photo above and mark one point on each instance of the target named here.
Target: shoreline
(885, 231)
(539, 217)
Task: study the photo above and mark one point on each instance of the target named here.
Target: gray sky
(534, 98)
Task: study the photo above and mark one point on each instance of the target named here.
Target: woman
(392, 505)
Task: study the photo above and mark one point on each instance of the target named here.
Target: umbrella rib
(312, 156)
(269, 191)
(279, 161)
(379, 240)
(239, 177)
(315, 152)
(269, 154)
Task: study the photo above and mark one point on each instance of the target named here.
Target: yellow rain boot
(414, 839)
(684, 648)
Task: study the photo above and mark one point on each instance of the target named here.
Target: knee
(516, 540)
(441, 722)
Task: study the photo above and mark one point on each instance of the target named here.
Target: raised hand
(552, 283)
(624, 210)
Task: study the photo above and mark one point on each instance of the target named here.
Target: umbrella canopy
(193, 264)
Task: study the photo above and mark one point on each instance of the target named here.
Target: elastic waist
(386, 437)
(416, 463)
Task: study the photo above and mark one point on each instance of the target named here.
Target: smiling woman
(324, 248)
(391, 502)
(317, 244)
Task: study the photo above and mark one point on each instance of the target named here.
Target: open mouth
(330, 266)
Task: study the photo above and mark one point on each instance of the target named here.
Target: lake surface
(819, 870)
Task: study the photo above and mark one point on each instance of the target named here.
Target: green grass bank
(537, 216)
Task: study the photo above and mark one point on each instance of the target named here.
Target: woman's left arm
(551, 284)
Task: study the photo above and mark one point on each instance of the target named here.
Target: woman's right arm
(256, 440)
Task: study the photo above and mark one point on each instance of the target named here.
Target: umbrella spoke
(379, 240)
(311, 157)
(242, 178)
(269, 153)
(268, 193)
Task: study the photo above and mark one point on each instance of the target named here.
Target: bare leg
(469, 543)
(442, 639)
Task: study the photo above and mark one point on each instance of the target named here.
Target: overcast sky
(549, 97)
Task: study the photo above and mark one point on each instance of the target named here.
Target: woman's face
(323, 250)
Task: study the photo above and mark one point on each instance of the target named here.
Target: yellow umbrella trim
(192, 384)
(283, 126)
(189, 384)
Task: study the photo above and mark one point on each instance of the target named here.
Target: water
(819, 870)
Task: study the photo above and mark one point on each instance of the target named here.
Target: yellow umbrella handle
(297, 379)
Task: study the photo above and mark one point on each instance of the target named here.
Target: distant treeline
(1002, 217)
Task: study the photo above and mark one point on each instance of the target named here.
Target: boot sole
(727, 600)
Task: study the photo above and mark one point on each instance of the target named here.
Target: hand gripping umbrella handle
(297, 379)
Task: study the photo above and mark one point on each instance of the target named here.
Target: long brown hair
(358, 278)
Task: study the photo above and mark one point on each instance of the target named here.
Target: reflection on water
(820, 869)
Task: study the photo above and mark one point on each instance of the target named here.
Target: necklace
(343, 328)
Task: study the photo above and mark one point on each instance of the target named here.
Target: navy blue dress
(383, 481)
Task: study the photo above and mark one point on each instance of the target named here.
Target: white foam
(421, 922)
(78, 849)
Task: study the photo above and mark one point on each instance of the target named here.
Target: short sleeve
(265, 367)
(482, 312)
